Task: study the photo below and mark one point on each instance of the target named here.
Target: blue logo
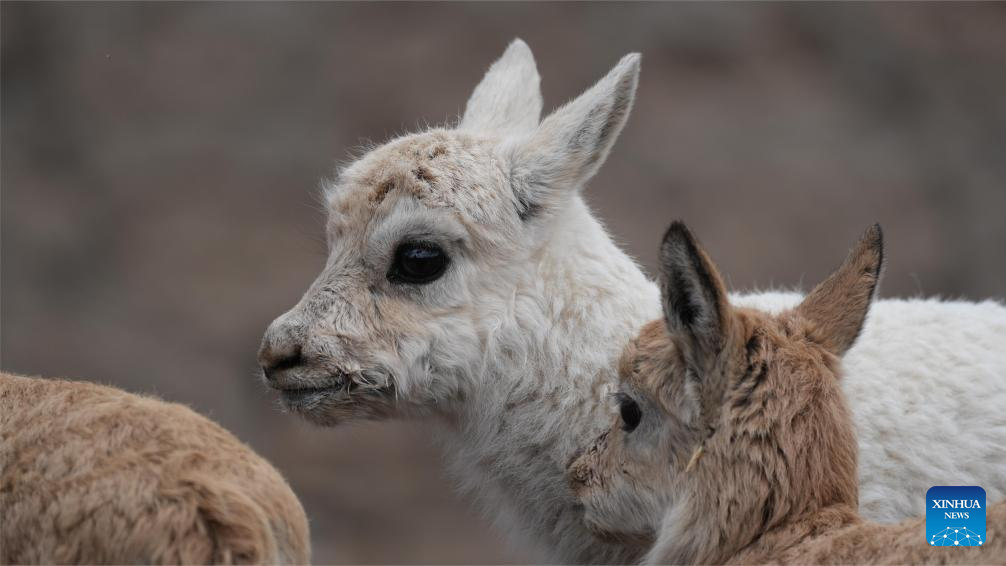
(955, 516)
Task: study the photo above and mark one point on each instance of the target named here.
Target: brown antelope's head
(728, 419)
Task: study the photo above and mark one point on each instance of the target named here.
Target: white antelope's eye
(418, 263)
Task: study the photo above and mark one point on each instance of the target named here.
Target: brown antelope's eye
(630, 412)
(418, 263)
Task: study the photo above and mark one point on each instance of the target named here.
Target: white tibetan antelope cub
(733, 441)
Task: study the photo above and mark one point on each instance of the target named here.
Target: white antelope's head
(728, 420)
(429, 237)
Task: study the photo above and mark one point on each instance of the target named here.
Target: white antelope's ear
(838, 306)
(508, 100)
(693, 294)
(569, 146)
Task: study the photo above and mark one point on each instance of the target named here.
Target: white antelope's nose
(281, 350)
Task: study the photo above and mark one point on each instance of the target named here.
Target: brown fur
(413, 164)
(92, 474)
(751, 450)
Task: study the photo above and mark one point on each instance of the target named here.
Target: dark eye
(418, 263)
(630, 412)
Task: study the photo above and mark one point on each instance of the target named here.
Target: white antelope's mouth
(310, 391)
(308, 395)
(342, 398)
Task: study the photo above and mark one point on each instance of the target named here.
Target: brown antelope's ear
(838, 306)
(694, 297)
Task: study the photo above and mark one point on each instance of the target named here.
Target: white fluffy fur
(514, 350)
(508, 100)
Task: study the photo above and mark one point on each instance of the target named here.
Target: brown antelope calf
(734, 442)
(94, 475)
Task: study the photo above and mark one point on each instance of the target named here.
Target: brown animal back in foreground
(92, 474)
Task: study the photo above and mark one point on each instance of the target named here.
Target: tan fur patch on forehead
(409, 165)
(438, 151)
(439, 168)
(382, 190)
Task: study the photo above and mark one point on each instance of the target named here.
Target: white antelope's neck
(543, 394)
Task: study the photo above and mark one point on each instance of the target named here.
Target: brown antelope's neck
(836, 535)
(788, 537)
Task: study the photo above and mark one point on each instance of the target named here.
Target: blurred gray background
(160, 170)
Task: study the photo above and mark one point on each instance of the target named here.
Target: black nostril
(276, 361)
(292, 359)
